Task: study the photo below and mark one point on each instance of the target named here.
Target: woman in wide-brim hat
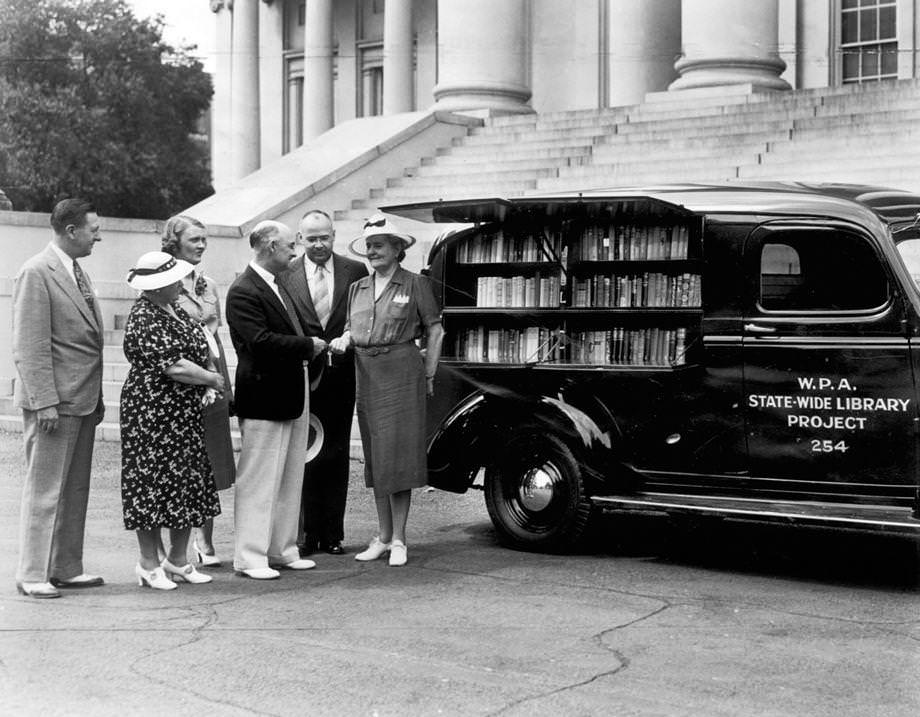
(166, 479)
(389, 312)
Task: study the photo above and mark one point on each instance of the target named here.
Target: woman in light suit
(186, 238)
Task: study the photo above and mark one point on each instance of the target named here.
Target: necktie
(83, 285)
(321, 301)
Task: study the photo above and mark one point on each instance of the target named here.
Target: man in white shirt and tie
(318, 284)
(272, 402)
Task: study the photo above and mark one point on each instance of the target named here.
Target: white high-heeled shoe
(155, 578)
(205, 560)
(186, 573)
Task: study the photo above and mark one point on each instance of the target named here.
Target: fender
(473, 433)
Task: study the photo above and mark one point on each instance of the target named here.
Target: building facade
(288, 70)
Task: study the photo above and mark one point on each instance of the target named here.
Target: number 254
(827, 446)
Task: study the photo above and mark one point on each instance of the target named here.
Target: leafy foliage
(94, 103)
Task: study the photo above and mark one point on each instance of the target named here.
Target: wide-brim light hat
(157, 269)
(379, 225)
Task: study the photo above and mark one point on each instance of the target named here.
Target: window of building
(370, 97)
(868, 40)
(820, 271)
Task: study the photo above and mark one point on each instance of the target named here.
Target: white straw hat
(157, 269)
(380, 225)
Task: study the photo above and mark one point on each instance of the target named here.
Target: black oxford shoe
(334, 548)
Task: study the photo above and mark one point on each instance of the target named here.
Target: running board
(846, 516)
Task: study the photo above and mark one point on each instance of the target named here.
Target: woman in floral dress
(167, 480)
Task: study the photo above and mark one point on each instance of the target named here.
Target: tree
(94, 103)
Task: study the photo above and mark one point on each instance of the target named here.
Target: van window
(910, 253)
(820, 271)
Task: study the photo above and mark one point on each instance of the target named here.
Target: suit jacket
(57, 340)
(270, 354)
(345, 272)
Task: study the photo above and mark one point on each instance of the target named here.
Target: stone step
(536, 137)
(903, 178)
(699, 149)
(816, 143)
(445, 190)
(712, 125)
(473, 165)
(675, 174)
(626, 169)
(465, 178)
(858, 159)
(513, 151)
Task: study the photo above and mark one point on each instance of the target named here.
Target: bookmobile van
(743, 351)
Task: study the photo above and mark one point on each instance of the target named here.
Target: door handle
(758, 329)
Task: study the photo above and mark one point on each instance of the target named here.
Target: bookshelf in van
(598, 291)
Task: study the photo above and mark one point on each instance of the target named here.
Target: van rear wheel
(535, 494)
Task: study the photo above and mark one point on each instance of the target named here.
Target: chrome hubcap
(537, 487)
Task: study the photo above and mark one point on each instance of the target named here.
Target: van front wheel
(535, 494)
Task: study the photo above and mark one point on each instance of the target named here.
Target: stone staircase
(863, 134)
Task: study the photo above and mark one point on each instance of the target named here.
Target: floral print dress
(166, 477)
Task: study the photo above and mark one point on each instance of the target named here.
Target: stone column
(318, 107)
(221, 127)
(644, 41)
(244, 98)
(483, 56)
(398, 85)
(271, 80)
(730, 42)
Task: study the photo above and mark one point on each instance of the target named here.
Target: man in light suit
(318, 283)
(272, 404)
(57, 349)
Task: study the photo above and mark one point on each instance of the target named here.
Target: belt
(377, 350)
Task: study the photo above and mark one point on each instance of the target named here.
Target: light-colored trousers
(269, 478)
(53, 511)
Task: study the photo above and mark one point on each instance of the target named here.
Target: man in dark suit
(318, 283)
(272, 403)
(57, 349)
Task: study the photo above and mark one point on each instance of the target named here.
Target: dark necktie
(83, 285)
(321, 301)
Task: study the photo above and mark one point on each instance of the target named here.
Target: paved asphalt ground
(654, 619)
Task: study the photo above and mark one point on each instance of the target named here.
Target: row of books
(597, 242)
(637, 290)
(501, 247)
(631, 242)
(482, 345)
(518, 291)
(614, 347)
(629, 347)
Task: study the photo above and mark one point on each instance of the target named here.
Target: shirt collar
(266, 275)
(312, 265)
(65, 260)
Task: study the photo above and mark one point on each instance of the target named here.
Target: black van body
(786, 391)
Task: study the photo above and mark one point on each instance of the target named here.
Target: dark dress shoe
(306, 549)
(334, 548)
(81, 581)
